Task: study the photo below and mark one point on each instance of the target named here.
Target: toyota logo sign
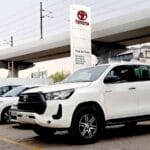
(82, 15)
(82, 18)
(25, 98)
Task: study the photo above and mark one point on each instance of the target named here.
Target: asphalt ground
(16, 137)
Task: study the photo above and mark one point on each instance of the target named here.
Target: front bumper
(13, 113)
(58, 114)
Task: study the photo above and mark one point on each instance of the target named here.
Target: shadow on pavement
(110, 133)
(122, 131)
(22, 126)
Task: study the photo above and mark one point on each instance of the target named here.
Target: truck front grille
(32, 102)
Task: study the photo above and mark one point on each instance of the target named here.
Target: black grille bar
(32, 102)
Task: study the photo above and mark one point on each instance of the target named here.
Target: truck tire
(6, 116)
(86, 126)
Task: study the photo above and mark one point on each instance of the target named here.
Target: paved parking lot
(15, 137)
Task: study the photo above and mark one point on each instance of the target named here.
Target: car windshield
(14, 92)
(87, 75)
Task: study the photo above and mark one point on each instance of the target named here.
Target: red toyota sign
(82, 17)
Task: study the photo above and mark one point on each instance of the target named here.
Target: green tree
(58, 76)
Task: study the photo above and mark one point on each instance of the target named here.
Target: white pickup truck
(89, 100)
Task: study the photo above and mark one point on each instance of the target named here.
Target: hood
(59, 87)
(4, 99)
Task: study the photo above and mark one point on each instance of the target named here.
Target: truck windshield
(87, 75)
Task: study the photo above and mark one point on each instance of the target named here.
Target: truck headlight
(59, 95)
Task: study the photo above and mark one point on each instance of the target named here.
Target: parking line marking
(18, 144)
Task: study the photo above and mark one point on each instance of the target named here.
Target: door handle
(132, 88)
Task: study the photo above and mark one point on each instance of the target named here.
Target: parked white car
(11, 98)
(7, 84)
(89, 100)
(7, 87)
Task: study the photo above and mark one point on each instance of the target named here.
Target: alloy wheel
(88, 126)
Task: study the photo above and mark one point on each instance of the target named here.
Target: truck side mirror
(111, 79)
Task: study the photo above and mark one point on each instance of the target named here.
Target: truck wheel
(86, 126)
(6, 116)
(44, 132)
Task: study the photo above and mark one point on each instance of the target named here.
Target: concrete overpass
(128, 28)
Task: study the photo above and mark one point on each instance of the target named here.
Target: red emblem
(82, 15)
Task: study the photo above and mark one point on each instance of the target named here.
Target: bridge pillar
(12, 69)
(106, 51)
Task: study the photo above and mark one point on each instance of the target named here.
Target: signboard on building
(80, 40)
